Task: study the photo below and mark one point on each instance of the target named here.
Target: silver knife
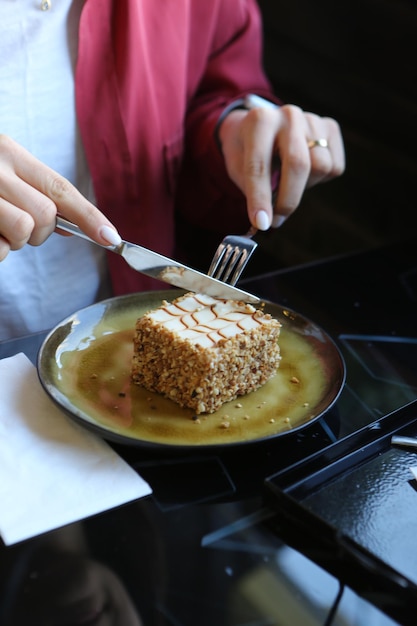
(165, 269)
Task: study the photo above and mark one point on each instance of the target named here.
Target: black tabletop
(210, 546)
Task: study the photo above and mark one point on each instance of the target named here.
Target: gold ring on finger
(317, 143)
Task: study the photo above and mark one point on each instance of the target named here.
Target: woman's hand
(31, 194)
(254, 142)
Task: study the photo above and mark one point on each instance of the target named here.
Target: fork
(231, 257)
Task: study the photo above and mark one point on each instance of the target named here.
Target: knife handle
(73, 229)
(407, 442)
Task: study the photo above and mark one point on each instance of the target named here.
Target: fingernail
(111, 235)
(278, 220)
(262, 220)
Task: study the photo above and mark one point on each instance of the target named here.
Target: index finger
(259, 139)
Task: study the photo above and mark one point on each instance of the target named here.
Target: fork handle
(251, 232)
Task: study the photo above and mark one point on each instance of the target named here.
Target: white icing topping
(205, 321)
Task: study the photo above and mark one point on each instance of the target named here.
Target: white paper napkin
(52, 471)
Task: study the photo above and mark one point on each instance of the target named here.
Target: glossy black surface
(209, 547)
(357, 499)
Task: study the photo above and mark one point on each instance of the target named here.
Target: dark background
(354, 61)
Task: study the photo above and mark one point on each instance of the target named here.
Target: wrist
(250, 101)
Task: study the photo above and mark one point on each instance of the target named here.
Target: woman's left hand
(308, 148)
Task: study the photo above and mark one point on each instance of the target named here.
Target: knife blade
(165, 269)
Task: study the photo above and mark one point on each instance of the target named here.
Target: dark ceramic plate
(84, 366)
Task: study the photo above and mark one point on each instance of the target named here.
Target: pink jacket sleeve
(207, 198)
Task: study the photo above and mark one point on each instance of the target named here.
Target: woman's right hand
(31, 195)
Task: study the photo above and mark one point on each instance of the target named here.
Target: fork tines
(230, 258)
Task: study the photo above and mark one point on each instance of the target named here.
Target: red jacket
(152, 78)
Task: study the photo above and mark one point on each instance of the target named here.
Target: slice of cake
(200, 351)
